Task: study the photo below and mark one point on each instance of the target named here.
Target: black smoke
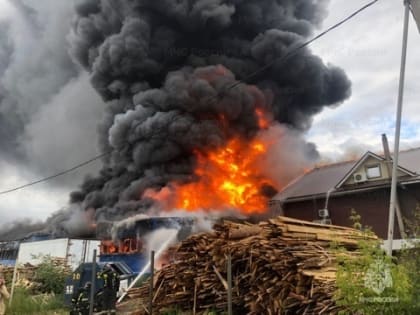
(165, 69)
(20, 229)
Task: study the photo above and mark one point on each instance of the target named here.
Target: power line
(301, 46)
(55, 175)
(237, 83)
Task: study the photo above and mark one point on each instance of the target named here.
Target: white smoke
(288, 154)
(47, 106)
(159, 241)
(80, 222)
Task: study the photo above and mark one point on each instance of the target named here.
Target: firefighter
(111, 285)
(80, 300)
(4, 294)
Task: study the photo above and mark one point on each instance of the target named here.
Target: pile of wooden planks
(26, 274)
(280, 266)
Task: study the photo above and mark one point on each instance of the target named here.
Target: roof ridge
(408, 150)
(325, 165)
(317, 166)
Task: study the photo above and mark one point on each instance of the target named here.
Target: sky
(368, 48)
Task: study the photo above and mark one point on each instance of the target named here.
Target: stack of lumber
(26, 273)
(282, 266)
(23, 271)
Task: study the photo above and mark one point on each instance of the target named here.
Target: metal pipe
(398, 212)
(152, 276)
(92, 286)
(392, 202)
(66, 259)
(84, 248)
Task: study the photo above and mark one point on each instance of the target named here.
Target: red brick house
(328, 193)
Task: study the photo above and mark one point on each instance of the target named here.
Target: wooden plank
(280, 267)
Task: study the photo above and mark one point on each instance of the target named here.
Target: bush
(410, 259)
(49, 277)
(45, 295)
(372, 283)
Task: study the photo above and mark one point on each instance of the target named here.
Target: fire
(128, 245)
(228, 178)
(263, 119)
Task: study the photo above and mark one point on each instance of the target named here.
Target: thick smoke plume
(46, 103)
(48, 109)
(20, 229)
(165, 69)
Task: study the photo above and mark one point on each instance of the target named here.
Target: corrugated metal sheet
(71, 249)
(78, 248)
(317, 181)
(322, 179)
(136, 261)
(29, 251)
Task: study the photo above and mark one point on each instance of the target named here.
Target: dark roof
(410, 160)
(322, 179)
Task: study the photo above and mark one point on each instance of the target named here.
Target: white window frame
(373, 166)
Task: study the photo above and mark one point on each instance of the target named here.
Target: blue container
(136, 261)
(8, 262)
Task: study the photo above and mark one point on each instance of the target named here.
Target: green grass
(25, 304)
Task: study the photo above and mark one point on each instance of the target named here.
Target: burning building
(132, 239)
(8, 253)
(194, 119)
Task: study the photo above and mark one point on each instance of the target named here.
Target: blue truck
(125, 253)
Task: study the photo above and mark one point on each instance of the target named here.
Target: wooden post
(12, 290)
(195, 298)
(152, 276)
(92, 287)
(229, 281)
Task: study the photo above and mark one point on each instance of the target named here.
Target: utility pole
(92, 285)
(151, 281)
(392, 203)
(398, 212)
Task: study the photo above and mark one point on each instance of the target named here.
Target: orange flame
(126, 246)
(263, 119)
(228, 178)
